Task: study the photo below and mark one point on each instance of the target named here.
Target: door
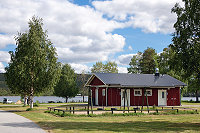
(162, 97)
(96, 96)
(125, 96)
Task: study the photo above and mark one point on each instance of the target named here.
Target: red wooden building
(111, 89)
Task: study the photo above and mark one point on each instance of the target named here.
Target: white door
(162, 97)
(126, 96)
(96, 97)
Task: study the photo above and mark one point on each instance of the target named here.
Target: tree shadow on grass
(132, 126)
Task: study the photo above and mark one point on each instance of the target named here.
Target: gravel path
(13, 123)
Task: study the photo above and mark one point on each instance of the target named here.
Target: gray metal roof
(138, 80)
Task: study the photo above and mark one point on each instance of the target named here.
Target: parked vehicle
(6, 101)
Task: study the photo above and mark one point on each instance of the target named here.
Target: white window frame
(150, 92)
(138, 90)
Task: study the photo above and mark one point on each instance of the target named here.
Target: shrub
(31, 109)
(36, 104)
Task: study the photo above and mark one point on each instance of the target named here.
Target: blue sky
(87, 31)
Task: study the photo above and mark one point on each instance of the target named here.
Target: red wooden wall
(173, 97)
(137, 100)
(114, 97)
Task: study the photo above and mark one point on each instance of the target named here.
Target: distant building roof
(137, 80)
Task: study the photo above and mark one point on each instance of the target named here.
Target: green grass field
(142, 123)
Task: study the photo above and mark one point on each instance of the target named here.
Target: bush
(36, 104)
(31, 109)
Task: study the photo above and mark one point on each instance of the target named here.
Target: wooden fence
(77, 108)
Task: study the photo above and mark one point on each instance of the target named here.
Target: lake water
(45, 99)
(189, 98)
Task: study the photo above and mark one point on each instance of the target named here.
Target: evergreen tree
(135, 64)
(147, 62)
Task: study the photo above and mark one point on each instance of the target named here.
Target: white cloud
(124, 59)
(130, 48)
(79, 33)
(6, 39)
(80, 68)
(151, 16)
(4, 56)
(122, 70)
(2, 68)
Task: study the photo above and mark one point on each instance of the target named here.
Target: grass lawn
(189, 103)
(143, 123)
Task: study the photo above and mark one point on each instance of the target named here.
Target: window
(103, 92)
(163, 94)
(137, 92)
(148, 92)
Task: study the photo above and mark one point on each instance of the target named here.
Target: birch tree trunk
(31, 98)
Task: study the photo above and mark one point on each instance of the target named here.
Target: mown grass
(108, 123)
(189, 103)
(139, 123)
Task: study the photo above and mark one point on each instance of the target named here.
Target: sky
(87, 31)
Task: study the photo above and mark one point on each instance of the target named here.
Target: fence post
(177, 110)
(157, 110)
(73, 110)
(112, 111)
(70, 109)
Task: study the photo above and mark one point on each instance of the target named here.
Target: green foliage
(61, 114)
(174, 112)
(36, 104)
(66, 86)
(143, 62)
(147, 63)
(109, 67)
(31, 109)
(33, 67)
(81, 80)
(163, 61)
(98, 68)
(186, 40)
(135, 64)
